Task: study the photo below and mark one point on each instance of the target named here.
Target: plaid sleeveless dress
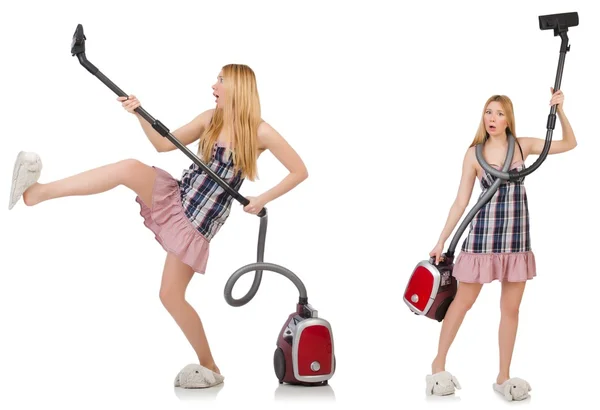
(186, 214)
(498, 245)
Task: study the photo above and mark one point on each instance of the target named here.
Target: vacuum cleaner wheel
(442, 309)
(279, 364)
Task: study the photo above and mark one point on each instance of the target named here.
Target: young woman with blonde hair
(498, 245)
(185, 214)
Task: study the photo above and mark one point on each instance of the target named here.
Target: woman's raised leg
(131, 173)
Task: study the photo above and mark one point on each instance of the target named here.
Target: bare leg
(512, 294)
(131, 173)
(465, 297)
(176, 277)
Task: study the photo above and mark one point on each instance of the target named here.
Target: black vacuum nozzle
(559, 22)
(78, 44)
(78, 49)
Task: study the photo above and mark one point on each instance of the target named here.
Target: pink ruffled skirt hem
(487, 267)
(171, 227)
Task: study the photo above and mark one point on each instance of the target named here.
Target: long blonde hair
(507, 106)
(242, 115)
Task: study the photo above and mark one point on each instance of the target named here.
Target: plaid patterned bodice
(206, 204)
(502, 224)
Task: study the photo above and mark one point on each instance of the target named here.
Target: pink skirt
(487, 267)
(171, 227)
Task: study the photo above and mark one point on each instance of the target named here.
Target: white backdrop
(381, 101)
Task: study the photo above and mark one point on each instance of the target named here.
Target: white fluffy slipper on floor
(195, 376)
(441, 384)
(513, 389)
(26, 172)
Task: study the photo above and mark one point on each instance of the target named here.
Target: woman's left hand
(255, 206)
(557, 98)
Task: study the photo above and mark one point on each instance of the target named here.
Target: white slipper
(26, 172)
(513, 389)
(441, 384)
(195, 376)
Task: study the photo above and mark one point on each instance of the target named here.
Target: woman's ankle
(502, 377)
(438, 365)
(211, 366)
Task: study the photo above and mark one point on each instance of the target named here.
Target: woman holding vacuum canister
(498, 245)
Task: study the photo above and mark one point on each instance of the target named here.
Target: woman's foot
(441, 384)
(212, 366)
(513, 388)
(195, 376)
(26, 172)
(33, 194)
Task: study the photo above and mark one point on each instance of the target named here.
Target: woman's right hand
(130, 103)
(437, 253)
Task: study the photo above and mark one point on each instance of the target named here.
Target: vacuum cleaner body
(431, 288)
(305, 350)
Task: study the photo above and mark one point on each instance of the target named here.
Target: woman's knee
(130, 167)
(176, 277)
(138, 177)
(466, 296)
(171, 297)
(510, 301)
(509, 310)
(463, 304)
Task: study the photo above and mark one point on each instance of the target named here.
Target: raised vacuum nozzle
(78, 44)
(78, 49)
(559, 22)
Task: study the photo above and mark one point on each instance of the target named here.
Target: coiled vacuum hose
(259, 267)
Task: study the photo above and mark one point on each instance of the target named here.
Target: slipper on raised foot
(26, 172)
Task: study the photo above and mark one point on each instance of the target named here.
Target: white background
(381, 101)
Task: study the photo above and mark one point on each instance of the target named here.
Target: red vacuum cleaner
(305, 350)
(431, 288)
(304, 353)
